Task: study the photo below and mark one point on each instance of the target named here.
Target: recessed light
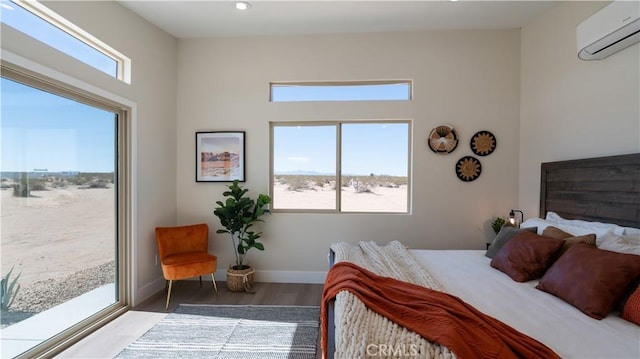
(242, 5)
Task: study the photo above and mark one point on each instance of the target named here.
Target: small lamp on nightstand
(512, 217)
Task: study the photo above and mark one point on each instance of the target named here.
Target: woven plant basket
(240, 280)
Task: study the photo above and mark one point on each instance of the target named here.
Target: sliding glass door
(61, 200)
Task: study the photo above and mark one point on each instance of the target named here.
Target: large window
(39, 22)
(63, 217)
(341, 166)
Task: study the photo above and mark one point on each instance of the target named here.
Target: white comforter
(566, 330)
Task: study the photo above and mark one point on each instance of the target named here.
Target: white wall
(468, 79)
(572, 108)
(152, 90)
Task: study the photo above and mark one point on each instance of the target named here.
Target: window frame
(124, 205)
(123, 63)
(338, 177)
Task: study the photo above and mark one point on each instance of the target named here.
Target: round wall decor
(468, 168)
(483, 143)
(443, 139)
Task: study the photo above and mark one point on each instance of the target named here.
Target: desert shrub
(59, 184)
(297, 183)
(98, 184)
(8, 290)
(363, 188)
(24, 187)
(37, 185)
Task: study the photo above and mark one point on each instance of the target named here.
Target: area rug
(231, 331)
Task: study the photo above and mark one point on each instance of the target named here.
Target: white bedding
(567, 331)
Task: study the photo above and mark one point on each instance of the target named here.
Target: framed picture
(220, 156)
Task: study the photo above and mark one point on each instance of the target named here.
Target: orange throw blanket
(436, 316)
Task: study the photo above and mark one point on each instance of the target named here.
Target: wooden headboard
(604, 189)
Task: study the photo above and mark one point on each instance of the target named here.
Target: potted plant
(497, 224)
(237, 215)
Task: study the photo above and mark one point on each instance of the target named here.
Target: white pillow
(595, 226)
(569, 228)
(630, 231)
(621, 244)
(536, 222)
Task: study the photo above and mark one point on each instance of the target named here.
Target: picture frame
(220, 156)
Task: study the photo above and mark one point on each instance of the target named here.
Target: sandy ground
(382, 199)
(56, 232)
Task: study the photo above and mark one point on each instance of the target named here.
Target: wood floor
(109, 340)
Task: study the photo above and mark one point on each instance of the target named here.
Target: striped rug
(231, 331)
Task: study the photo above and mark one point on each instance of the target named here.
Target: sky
(287, 93)
(312, 149)
(45, 131)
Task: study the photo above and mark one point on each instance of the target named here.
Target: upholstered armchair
(183, 253)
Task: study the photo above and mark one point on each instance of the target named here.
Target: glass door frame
(124, 205)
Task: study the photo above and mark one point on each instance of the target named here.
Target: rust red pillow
(631, 310)
(569, 239)
(591, 279)
(527, 256)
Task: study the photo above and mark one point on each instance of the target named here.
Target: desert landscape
(59, 239)
(224, 164)
(358, 193)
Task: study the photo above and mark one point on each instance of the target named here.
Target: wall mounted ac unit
(613, 28)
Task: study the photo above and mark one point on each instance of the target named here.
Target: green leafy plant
(497, 224)
(237, 215)
(8, 290)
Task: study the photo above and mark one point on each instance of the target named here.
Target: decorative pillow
(527, 256)
(631, 310)
(505, 234)
(569, 240)
(621, 244)
(591, 279)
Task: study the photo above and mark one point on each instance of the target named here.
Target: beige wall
(152, 92)
(468, 79)
(572, 108)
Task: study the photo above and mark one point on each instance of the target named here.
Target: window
(341, 166)
(39, 22)
(63, 222)
(341, 91)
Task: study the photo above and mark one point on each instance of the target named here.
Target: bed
(598, 195)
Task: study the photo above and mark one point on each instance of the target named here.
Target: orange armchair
(184, 254)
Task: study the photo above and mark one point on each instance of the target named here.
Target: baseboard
(275, 276)
(148, 290)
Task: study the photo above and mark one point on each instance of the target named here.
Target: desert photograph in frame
(220, 156)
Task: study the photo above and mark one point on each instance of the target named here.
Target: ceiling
(199, 19)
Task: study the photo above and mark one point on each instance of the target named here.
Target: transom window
(341, 166)
(46, 26)
(341, 91)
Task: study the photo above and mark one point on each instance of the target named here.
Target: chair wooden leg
(215, 287)
(200, 281)
(168, 295)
